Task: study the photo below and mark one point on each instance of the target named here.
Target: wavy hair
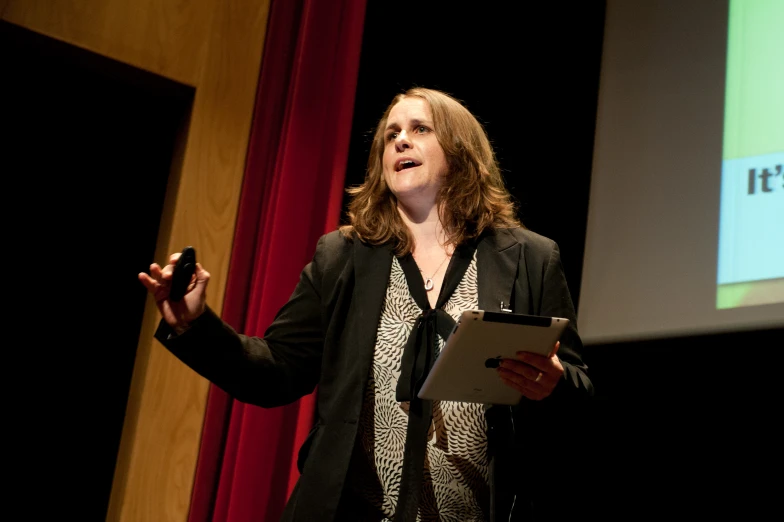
(472, 197)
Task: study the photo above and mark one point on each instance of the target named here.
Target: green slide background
(754, 103)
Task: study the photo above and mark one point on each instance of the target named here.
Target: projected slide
(751, 227)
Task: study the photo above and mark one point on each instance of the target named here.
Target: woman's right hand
(178, 314)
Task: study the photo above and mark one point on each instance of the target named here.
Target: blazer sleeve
(545, 443)
(267, 371)
(556, 301)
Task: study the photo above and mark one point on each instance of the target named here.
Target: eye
(422, 129)
(391, 136)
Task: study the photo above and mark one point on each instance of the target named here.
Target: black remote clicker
(183, 273)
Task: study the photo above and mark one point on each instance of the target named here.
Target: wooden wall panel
(166, 37)
(204, 212)
(215, 46)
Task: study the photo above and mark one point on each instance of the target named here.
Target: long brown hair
(472, 198)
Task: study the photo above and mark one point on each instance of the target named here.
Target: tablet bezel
(460, 373)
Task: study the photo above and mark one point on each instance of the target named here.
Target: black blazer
(325, 335)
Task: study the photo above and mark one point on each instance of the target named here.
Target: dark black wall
(677, 424)
(529, 74)
(86, 155)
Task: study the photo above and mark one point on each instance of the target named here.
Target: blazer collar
(372, 266)
(498, 256)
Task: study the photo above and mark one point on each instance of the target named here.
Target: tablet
(465, 370)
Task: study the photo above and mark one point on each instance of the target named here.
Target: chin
(402, 190)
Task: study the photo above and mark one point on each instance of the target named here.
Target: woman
(432, 232)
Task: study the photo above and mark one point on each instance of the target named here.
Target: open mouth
(406, 164)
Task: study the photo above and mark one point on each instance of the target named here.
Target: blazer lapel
(498, 256)
(320, 492)
(372, 266)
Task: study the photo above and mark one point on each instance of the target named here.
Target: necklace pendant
(428, 284)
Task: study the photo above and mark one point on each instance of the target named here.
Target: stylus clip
(507, 310)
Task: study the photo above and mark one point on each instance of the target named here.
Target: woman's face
(414, 162)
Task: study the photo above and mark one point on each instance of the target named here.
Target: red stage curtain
(292, 193)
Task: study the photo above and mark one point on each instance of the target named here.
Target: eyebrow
(414, 123)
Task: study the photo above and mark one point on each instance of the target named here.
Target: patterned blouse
(455, 483)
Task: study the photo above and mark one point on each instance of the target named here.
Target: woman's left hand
(533, 375)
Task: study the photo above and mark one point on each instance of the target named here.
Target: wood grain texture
(166, 37)
(158, 461)
(215, 46)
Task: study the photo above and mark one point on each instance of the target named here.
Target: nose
(401, 142)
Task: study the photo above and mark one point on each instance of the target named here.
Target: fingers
(158, 280)
(152, 280)
(520, 372)
(166, 272)
(156, 272)
(162, 274)
(528, 387)
(533, 375)
(149, 283)
(202, 276)
(200, 279)
(541, 362)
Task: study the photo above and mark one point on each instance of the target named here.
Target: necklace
(429, 280)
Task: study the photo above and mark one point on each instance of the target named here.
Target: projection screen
(685, 231)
